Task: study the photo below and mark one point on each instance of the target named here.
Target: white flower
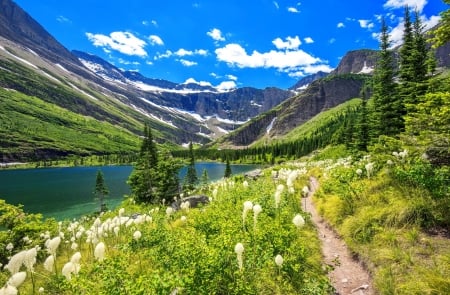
(169, 211)
(30, 259)
(68, 269)
(9, 290)
(183, 219)
(76, 258)
(277, 198)
(49, 263)
(245, 184)
(248, 205)
(121, 212)
(305, 191)
(137, 235)
(389, 162)
(9, 247)
(359, 172)
(369, 169)
(298, 221)
(239, 250)
(279, 260)
(41, 290)
(16, 262)
(74, 246)
(17, 279)
(99, 252)
(116, 230)
(53, 244)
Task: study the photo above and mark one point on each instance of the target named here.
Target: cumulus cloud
(235, 55)
(308, 40)
(124, 42)
(293, 10)
(232, 77)
(201, 83)
(414, 4)
(155, 40)
(226, 86)
(184, 52)
(341, 25)
(289, 44)
(188, 63)
(366, 24)
(216, 34)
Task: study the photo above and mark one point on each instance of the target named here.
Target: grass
(386, 223)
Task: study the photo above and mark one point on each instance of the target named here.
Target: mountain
(81, 85)
(303, 83)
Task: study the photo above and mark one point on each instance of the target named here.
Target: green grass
(196, 256)
(31, 127)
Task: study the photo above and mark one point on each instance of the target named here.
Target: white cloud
(188, 63)
(366, 24)
(340, 25)
(216, 34)
(235, 55)
(166, 54)
(431, 22)
(155, 40)
(293, 10)
(155, 23)
(308, 40)
(184, 52)
(145, 22)
(332, 40)
(226, 86)
(414, 4)
(63, 19)
(291, 43)
(201, 83)
(232, 77)
(276, 4)
(308, 70)
(123, 42)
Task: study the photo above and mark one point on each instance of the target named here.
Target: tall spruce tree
(387, 112)
(101, 191)
(227, 172)
(362, 125)
(191, 179)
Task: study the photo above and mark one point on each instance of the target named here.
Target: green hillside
(31, 128)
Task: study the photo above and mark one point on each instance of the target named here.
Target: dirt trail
(348, 275)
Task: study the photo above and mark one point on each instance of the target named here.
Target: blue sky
(232, 43)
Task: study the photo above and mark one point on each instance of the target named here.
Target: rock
(254, 174)
(194, 201)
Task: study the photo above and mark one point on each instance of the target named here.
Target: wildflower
(49, 263)
(169, 211)
(121, 211)
(389, 162)
(74, 246)
(183, 219)
(239, 250)
(30, 259)
(17, 279)
(256, 210)
(116, 230)
(369, 169)
(298, 221)
(68, 269)
(9, 290)
(41, 290)
(16, 262)
(53, 244)
(9, 247)
(137, 235)
(279, 260)
(99, 252)
(277, 198)
(305, 191)
(76, 257)
(359, 172)
(248, 205)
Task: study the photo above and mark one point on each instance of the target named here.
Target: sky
(225, 43)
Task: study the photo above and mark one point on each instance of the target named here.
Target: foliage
(155, 175)
(101, 191)
(191, 179)
(442, 32)
(192, 251)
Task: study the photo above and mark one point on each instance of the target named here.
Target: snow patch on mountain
(269, 128)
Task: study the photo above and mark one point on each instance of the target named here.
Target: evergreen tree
(362, 128)
(191, 179)
(101, 191)
(204, 179)
(227, 172)
(406, 61)
(387, 112)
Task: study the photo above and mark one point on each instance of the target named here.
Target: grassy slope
(31, 126)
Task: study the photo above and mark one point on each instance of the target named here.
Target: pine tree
(204, 179)
(362, 125)
(227, 172)
(387, 112)
(101, 191)
(191, 179)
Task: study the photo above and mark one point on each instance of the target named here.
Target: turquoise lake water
(66, 193)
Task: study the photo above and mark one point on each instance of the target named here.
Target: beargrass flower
(17, 279)
(137, 235)
(41, 290)
(9, 247)
(68, 269)
(279, 260)
(49, 263)
(248, 205)
(298, 221)
(245, 184)
(9, 290)
(256, 210)
(305, 191)
(16, 262)
(183, 219)
(239, 250)
(53, 244)
(369, 169)
(169, 211)
(99, 252)
(30, 259)
(359, 172)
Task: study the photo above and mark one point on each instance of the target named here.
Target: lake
(67, 192)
